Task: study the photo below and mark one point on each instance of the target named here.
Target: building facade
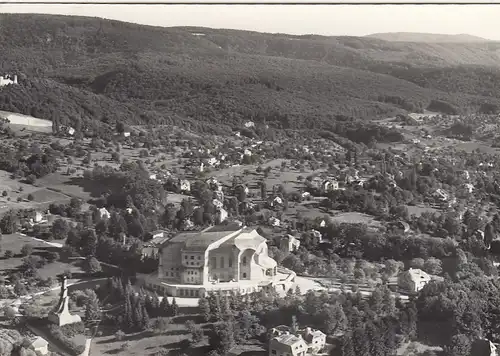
(413, 280)
(220, 258)
(285, 342)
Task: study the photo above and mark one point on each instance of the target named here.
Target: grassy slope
(111, 71)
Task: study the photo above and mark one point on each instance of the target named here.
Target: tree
(161, 324)
(8, 223)
(92, 265)
(195, 330)
(174, 307)
(348, 345)
(222, 340)
(433, 266)
(263, 190)
(60, 229)
(92, 308)
(165, 309)
(27, 250)
(459, 345)
(89, 243)
(417, 263)
(204, 305)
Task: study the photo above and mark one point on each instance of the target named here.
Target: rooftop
(200, 240)
(288, 339)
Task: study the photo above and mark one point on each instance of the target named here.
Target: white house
(104, 213)
(247, 152)
(413, 280)
(222, 215)
(39, 345)
(289, 243)
(274, 221)
(185, 185)
(249, 124)
(126, 134)
(6, 80)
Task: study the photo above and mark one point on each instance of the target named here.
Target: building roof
(157, 241)
(38, 342)
(200, 240)
(288, 339)
(417, 274)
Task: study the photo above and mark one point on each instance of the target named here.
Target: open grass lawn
(353, 218)
(15, 242)
(45, 195)
(418, 210)
(63, 184)
(148, 343)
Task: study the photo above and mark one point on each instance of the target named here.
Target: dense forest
(92, 73)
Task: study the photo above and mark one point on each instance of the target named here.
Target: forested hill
(100, 71)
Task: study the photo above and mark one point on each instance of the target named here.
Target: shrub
(58, 333)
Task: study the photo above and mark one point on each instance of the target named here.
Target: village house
(126, 134)
(185, 185)
(103, 213)
(285, 342)
(37, 217)
(8, 80)
(221, 215)
(39, 345)
(273, 221)
(329, 185)
(249, 124)
(289, 243)
(152, 247)
(413, 280)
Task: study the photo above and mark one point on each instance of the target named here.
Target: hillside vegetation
(93, 73)
(426, 37)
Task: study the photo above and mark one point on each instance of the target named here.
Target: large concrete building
(219, 258)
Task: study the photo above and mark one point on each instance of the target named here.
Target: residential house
(285, 342)
(152, 247)
(39, 345)
(274, 221)
(247, 152)
(222, 215)
(289, 243)
(276, 202)
(7, 80)
(413, 280)
(36, 217)
(315, 339)
(185, 185)
(329, 185)
(217, 203)
(152, 176)
(104, 213)
(126, 134)
(249, 124)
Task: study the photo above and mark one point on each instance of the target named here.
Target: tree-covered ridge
(101, 72)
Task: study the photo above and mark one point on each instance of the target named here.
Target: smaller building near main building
(413, 280)
(220, 258)
(284, 342)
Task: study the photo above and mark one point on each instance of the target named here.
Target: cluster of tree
(22, 163)
(138, 308)
(463, 307)
(130, 187)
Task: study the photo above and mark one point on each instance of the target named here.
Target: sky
(353, 20)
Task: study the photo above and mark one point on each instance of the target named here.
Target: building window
(230, 262)
(244, 275)
(273, 352)
(185, 257)
(214, 262)
(222, 262)
(192, 257)
(199, 258)
(244, 260)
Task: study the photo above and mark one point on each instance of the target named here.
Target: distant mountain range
(427, 37)
(101, 71)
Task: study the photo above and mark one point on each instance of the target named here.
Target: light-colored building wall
(170, 262)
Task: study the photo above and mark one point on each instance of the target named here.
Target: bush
(27, 250)
(58, 334)
(9, 254)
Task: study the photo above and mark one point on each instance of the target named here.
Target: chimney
(15, 79)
